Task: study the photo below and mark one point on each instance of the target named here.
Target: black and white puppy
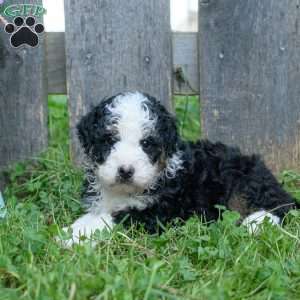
(140, 168)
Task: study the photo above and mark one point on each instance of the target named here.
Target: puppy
(140, 171)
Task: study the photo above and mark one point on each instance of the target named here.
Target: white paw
(84, 227)
(253, 221)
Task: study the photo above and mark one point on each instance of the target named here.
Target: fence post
(23, 99)
(113, 46)
(249, 69)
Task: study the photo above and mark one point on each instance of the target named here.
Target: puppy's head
(132, 140)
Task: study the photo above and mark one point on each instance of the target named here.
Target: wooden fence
(244, 63)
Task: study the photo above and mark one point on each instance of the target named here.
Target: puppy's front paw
(70, 236)
(255, 220)
(83, 229)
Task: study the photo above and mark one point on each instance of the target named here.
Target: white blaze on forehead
(131, 119)
(132, 115)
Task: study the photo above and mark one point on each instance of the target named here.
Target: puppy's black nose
(126, 172)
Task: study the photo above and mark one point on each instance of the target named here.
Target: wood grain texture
(113, 46)
(185, 58)
(56, 62)
(250, 74)
(23, 100)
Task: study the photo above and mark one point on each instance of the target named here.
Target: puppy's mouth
(126, 187)
(120, 180)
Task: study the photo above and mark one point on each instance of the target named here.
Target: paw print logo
(24, 33)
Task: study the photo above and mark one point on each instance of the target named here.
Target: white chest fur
(110, 202)
(99, 215)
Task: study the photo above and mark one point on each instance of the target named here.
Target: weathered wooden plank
(185, 63)
(23, 100)
(185, 59)
(113, 46)
(250, 74)
(56, 63)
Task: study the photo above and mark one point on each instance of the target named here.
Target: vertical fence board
(250, 74)
(185, 63)
(113, 46)
(23, 100)
(56, 62)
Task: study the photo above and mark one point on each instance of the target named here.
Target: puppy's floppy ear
(173, 146)
(165, 126)
(90, 126)
(169, 134)
(167, 129)
(85, 130)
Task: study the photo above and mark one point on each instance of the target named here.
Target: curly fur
(186, 178)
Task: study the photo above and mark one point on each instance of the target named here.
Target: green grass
(194, 261)
(188, 115)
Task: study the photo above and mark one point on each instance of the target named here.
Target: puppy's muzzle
(125, 174)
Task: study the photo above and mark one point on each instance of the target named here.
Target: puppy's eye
(109, 139)
(147, 143)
